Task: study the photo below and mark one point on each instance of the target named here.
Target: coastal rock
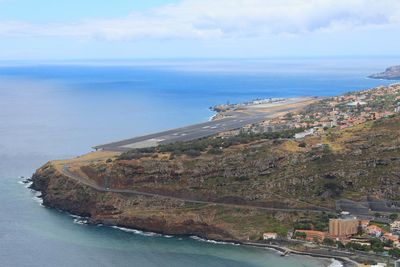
(63, 193)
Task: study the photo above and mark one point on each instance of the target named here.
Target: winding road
(68, 173)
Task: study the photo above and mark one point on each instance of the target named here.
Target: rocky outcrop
(392, 73)
(61, 192)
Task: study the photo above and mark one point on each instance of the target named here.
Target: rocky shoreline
(80, 201)
(60, 192)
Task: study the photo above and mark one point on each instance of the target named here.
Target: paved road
(201, 130)
(66, 171)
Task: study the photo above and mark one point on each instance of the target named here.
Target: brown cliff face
(312, 173)
(138, 212)
(63, 193)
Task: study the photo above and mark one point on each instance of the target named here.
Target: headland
(285, 175)
(391, 73)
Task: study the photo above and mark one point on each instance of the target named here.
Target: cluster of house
(341, 111)
(348, 230)
(354, 230)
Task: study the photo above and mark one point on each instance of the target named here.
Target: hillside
(233, 177)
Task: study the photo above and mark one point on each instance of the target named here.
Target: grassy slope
(352, 163)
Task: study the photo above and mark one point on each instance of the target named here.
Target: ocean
(55, 110)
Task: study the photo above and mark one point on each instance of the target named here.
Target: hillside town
(338, 112)
(352, 234)
(358, 234)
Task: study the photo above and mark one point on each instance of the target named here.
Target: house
(392, 237)
(312, 235)
(374, 230)
(395, 226)
(304, 134)
(268, 236)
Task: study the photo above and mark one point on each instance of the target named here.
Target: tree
(301, 235)
(393, 216)
(329, 242)
(340, 244)
(395, 253)
(377, 245)
(302, 144)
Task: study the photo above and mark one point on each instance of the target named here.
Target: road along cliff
(250, 186)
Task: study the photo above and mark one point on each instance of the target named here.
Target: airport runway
(196, 131)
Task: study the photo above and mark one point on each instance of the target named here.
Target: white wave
(138, 232)
(38, 199)
(26, 184)
(212, 117)
(335, 263)
(78, 219)
(81, 221)
(212, 241)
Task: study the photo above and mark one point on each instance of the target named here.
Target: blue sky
(62, 10)
(123, 29)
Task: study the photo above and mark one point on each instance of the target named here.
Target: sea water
(54, 110)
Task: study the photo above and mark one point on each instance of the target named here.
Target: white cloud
(192, 19)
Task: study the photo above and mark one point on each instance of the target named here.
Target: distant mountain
(392, 73)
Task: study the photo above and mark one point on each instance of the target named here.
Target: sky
(131, 29)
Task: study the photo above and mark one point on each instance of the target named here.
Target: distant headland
(391, 73)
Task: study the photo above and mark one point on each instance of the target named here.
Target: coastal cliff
(237, 193)
(137, 212)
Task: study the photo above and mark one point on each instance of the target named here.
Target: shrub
(215, 151)
(393, 216)
(302, 144)
(300, 235)
(193, 153)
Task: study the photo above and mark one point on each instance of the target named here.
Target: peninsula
(278, 180)
(391, 73)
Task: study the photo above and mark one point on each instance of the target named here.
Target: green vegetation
(300, 235)
(376, 245)
(329, 242)
(358, 246)
(384, 226)
(318, 222)
(211, 145)
(395, 253)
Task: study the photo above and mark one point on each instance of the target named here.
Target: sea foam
(138, 232)
(336, 263)
(212, 241)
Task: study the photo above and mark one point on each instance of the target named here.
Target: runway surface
(237, 120)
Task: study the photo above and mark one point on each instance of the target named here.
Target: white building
(304, 134)
(268, 236)
(395, 226)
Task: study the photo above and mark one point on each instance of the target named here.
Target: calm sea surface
(53, 111)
